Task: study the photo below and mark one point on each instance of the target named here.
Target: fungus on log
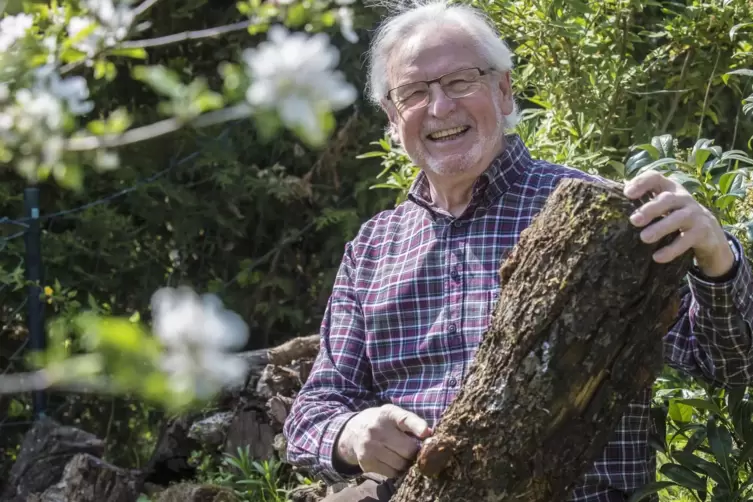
(575, 337)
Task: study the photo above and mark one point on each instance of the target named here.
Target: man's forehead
(430, 54)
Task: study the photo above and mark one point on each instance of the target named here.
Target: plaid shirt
(413, 297)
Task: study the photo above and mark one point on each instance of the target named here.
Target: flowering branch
(156, 129)
(186, 35)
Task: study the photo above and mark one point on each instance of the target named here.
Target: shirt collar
(497, 179)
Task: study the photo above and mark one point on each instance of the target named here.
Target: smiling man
(417, 285)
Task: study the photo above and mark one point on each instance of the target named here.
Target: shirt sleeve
(712, 336)
(339, 385)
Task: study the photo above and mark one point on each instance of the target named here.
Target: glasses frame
(428, 83)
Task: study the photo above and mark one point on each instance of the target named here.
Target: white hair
(406, 16)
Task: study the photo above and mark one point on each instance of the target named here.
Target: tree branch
(147, 4)
(156, 129)
(166, 40)
(186, 35)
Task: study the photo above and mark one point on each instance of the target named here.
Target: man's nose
(439, 105)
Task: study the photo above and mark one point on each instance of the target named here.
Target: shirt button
(454, 274)
(458, 224)
(452, 382)
(452, 328)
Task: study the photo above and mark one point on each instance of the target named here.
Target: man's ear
(393, 117)
(505, 87)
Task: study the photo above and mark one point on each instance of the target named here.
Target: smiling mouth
(448, 134)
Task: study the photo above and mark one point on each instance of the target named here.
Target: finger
(410, 422)
(660, 205)
(680, 220)
(402, 444)
(650, 181)
(392, 459)
(378, 464)
(678, 246)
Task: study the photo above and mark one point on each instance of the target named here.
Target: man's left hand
(699, 229)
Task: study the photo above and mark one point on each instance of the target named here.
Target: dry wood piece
(576, 335)
(304, 347)
(45, 451)
(89, 479)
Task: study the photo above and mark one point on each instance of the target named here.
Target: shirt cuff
(726, 293)
(327, 450)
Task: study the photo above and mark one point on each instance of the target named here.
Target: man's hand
(382, 440)
(699, 229)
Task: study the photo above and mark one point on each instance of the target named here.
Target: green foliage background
(613, 87)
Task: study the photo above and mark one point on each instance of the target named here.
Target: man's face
(475, 123)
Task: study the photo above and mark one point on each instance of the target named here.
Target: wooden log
(302, 347)
(576, 335)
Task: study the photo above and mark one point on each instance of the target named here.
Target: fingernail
(636, 218)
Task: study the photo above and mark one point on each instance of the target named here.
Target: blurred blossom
(345, 18)
(33, 119)
(293, 75)
(198, 333)
(111, 25)
(13, 28)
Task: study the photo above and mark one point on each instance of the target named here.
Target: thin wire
(120, 193)
(7, 221)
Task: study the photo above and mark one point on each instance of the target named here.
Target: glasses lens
(461, 83)
(410, 96)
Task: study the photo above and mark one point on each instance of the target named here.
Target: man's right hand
(382, 440)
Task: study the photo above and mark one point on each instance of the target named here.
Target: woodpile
(62, 463)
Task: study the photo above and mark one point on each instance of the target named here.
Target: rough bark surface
(575, 336)
(46, 450)
(89, 479)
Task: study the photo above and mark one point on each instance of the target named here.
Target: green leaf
(683, 476)
(696, 463)
(369, 155)
(690, 183)
(725, 182)
(695, 440)
(679, 412)
(743, 72)
(133, 52)
(651, 149)
(161, 79)
(720, 441)
(296, 15)
(664, 145)
(702, 404)
(650, 489)
(736, 28)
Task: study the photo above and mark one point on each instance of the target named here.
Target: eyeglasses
(458, 84)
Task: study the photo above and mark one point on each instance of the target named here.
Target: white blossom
(111, 24)
(198, 333)
(72, 90)
(13, 28)
(33, 119)
(345, 17)
(293, 75)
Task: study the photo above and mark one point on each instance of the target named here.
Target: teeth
(446, 132)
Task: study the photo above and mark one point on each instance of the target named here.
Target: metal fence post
(35, 307)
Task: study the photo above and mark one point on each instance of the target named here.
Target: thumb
(410, 422)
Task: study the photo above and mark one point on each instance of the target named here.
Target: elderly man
(416, 286)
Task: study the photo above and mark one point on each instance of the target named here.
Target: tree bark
(576, 335)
